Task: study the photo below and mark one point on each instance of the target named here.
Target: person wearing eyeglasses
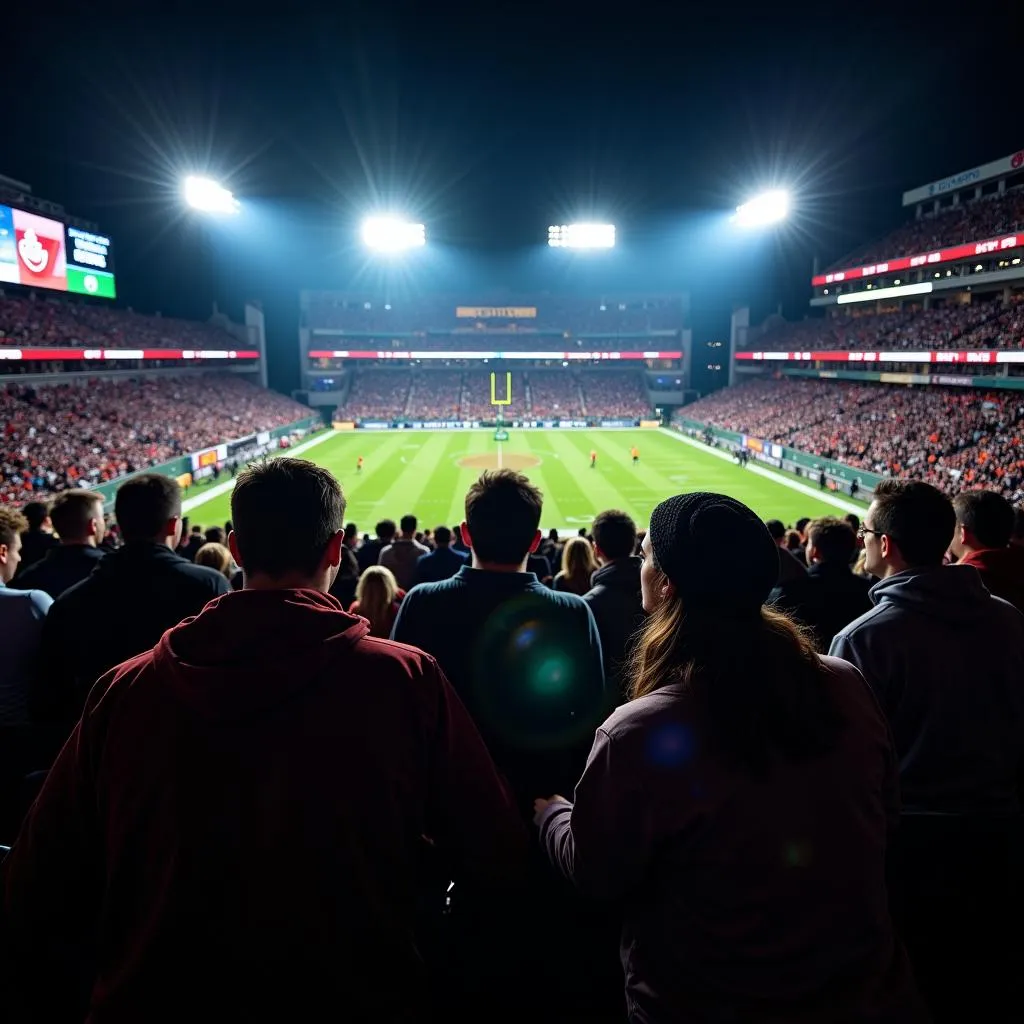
(944, 657)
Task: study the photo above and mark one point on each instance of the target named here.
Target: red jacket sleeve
(471, 813)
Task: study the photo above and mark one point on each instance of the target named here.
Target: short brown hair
(917, 517)
(503, 512)
(144, 504)
(285, 512)
(987, 515)
(12, 523)
(833, 538)
(72, 511)
(614, 534)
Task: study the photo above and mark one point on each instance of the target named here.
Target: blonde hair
(376, 592)
(215, 556)
(578, 563)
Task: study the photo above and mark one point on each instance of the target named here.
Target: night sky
(489, 122)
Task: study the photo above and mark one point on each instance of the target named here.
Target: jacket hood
(622, 574)
(952, 593)
(251, 649)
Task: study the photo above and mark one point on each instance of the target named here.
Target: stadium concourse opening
(499, 460)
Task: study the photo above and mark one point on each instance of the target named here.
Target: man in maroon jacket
(984, 527)
(234, 827)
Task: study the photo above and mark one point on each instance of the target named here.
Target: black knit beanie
(716, 552)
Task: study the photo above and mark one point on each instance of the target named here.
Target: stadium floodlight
(207, 195)
(581, 236)
(767, 208)
(390, 234)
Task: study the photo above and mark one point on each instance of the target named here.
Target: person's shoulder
(200, 574)
(404, 659)
(878, 617)
(668, 703)
(38, 600)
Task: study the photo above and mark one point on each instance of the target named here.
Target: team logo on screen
(33, 253)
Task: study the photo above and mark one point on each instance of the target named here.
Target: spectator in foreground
(525, 660)
(369, 553)
(21, 624)
(236, 821)
(377, 598)
(442, 563)
(403, 553)
(614, 594)
(578, 565)
(984, 526)
(217, 557)
(686, 809)
(828, 596)
(77, 517)
(38, 536)
(944, 657)
(790, 567)
(135, 594)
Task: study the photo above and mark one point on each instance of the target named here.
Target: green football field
(427, 473)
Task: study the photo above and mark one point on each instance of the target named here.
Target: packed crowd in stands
(950, 437)
(711, 727)
(51, 323)
(981, 324)
(90, 431)
(985, 218)
(445, 394)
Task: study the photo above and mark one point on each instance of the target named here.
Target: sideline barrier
(790, 459)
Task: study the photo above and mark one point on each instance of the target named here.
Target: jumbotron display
(43, 253)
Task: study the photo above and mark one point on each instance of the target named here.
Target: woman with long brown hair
(737, 806)
(578, 564)
(377, 599)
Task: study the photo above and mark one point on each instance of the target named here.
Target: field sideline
(428, 472)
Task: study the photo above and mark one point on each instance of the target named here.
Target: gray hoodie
(946, 661)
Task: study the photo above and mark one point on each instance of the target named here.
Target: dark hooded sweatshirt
(237, 818)
(946, 661)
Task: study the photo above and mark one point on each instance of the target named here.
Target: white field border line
(218, 489)
(794, 485)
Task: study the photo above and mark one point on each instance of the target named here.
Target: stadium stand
(89, 431)
(968, 222)
(949, 437)
(45, 322)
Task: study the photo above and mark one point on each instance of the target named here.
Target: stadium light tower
(391, 234)
(208, 196)
(581, 236)
(767, 208)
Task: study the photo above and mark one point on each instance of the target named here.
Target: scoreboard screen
(43, 253)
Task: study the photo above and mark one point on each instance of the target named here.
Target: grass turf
(427, 473)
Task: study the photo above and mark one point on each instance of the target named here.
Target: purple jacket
(754, 899)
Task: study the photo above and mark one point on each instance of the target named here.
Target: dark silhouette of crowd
(949, 437)
(60, 436)
(425, 394)
(775, 769)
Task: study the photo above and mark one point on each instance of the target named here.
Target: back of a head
(503, 512)
(197, 531)
(988, 516)
(757, 672)
(614, 534)
(12, 523)
(386, 530)
(285, 512)
(214, 556)
(578, 558)
(73, 512)
(776, 529)
(408, 525)
(376, 591)
(917, 517)
(214, 535)
(832, 539)
(852, 521)
(442, 536)
(144, 505)
(801, 524)
(35, 513)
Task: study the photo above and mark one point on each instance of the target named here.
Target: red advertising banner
(455, 354)
(953, 358)
(925, 259)
(110, 354)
